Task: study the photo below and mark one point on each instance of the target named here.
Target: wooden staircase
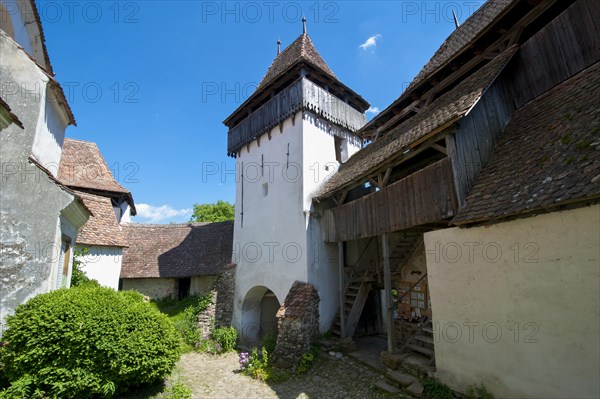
(359, 283)
(420, 347)
(355, 297)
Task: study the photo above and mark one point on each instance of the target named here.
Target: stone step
(399, 378)
(424, 338)
(415, 389)
(384, 386)
(421, 349)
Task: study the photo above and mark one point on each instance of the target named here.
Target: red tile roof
(176, 250)
(102, 228)
(548, 156)
(83, 166)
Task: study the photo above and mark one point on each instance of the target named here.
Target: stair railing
(354, 267)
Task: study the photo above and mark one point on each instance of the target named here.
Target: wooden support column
(342, 289)
(387, 281)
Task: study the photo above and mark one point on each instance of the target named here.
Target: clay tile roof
(83, 166)
(301, 49)
(460, 38)
(102, 228)
(176, 250)
(549, 154)
(444, 111)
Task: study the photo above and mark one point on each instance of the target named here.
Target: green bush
(436, 390)
(478, 392)
(226, 338)
(78, 276)
(184, 314)
(86, 342)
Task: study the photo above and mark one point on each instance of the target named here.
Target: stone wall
(298, 324)
(220, 311)
(224, 287)
(206, 319)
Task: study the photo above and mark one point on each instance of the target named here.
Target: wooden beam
(387, 281)
(383, 182)
(339, 200)
(439, 148)
(342, 288)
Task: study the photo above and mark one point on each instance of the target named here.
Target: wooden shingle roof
(176, 250)
(464, 35)
(548, 156)
(301, 49)
(438, 115)
(102, 228)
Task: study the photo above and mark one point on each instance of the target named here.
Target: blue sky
(151, 81)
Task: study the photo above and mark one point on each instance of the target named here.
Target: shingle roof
(549, 154)
(460, 38)
(301, 49)
(445, 110)
(457, 42)
(102, 228)
(176, 250)
(83, 166)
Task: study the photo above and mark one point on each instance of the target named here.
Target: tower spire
(278, 46)
(303, 25)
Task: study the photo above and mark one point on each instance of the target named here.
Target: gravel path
(216, 377)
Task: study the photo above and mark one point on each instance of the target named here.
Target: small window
(341, 149)
(265, 188)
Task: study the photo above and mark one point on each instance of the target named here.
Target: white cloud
(157, 214)
(370, 42)
(373, 110)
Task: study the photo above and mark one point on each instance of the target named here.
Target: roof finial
(304, 24)
(278, 46)
(455, 19)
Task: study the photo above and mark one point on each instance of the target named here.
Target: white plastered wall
(516, 307)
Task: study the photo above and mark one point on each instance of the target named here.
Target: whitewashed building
(83, 169)
(287, 138)
(39, 217)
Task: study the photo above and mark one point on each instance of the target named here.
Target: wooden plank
(387, 281)
(342, 287)
(423, 197)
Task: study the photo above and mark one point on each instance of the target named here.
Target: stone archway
(259, 315)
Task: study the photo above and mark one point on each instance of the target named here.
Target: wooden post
(387, 281)
(342, 289)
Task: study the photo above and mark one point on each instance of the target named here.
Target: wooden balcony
(426, 196)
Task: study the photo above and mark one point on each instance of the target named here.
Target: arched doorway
(259, 316)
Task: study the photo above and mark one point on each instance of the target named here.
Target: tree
(219, 212)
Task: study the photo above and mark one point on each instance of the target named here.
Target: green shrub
(78, 276)
(226, 338)
(270, 342)
(305, 363)
(478, 392)
(184, 314)
(257, 365)
(436, 390)
(178, 390)
(86, 342)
